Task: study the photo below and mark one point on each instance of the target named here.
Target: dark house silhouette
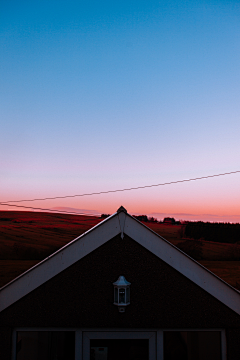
(63, 308)
(169, 220)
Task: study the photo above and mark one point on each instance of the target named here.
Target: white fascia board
(183, 263)
(60, 260)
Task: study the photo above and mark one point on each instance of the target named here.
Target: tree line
(217, 232)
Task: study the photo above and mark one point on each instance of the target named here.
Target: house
(76, 303)
(169, 220)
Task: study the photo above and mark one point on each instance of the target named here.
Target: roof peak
(121, 209)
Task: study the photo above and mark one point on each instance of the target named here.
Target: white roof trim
(122, 223)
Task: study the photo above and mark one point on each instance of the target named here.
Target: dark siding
(5, 343)
(82, 295)
(233, 344)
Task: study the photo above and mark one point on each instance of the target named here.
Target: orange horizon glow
(208, 200)
(178, 214)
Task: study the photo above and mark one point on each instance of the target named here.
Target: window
(119, 345)
(98, 344)
(47, 345)
(192, 345)
(119, 349)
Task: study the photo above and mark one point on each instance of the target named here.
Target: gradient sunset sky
(104, 95)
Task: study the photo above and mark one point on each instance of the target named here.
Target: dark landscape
(29, 237)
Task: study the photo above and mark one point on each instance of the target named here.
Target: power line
(51, 210)
(120, 190)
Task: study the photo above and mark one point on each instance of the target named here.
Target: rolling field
(10, 269)
(28, 237)
(229, 271)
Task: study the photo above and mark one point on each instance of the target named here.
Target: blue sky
(101, 95)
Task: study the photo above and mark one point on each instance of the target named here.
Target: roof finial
(121, 209)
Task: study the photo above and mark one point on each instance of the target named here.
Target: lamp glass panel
(122, 296)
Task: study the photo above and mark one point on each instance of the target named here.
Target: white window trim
(84, 335)
(90, 335)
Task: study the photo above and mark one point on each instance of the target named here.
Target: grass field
(212, 251)
(28, 237)
(229, 271)
(10, 269)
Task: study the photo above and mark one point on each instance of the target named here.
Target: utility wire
(120, 190)
(52, 210)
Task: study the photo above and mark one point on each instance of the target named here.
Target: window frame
(118, 335)
(84, 335)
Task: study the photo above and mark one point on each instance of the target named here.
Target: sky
(104, 95)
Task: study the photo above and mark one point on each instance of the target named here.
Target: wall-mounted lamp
(121, 293)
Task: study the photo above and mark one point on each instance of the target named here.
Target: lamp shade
(121, 293)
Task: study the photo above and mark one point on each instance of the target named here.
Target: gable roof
(119, 223)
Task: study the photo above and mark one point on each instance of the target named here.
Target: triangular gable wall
(119, 223)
